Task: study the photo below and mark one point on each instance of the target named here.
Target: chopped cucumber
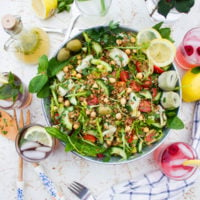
(85, 63)
(118, 151)
(65, 119)
(73, 100)
(104, 65)
(97, 48)
(103, 86)
(146, 94)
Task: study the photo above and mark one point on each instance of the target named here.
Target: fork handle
(20, 190)
(47, 182)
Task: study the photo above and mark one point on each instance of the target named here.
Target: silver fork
(81, 191)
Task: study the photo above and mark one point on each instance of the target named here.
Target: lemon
(3, 79)
(191, 163)
(161, 52)
(146, 35)
(190, 86)
(44, 8)
(38, 134)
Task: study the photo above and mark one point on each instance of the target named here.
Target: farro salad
(106, 97)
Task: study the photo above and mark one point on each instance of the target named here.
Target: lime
(38, 134)
(44, 8)
(146, 35)
(161, 52)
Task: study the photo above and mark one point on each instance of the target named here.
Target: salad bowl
(144, 149)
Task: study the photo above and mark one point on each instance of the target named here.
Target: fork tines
(78, 189)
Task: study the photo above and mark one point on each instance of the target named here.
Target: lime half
(38, 134)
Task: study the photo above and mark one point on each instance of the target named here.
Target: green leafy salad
(106, 98)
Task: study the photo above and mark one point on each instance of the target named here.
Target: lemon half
(161, 52)
(38, 134)
(44, 8)
(146, 35)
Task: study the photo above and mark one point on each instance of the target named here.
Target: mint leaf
(184, 5)
(165, 6)
(8, 91)
(196, 70)
(175, 123)
(43, 64)
(37, 83)
(44, 92)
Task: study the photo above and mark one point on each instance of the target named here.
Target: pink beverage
(170, 160)
(188, 53)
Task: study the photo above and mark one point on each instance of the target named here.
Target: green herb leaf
(44, 92)
(7, 91)
(196, 70)
(165, 6)
(43, 64)
(37, 83)
(184, 5)
(175, 123)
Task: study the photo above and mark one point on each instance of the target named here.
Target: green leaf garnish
(196, 70)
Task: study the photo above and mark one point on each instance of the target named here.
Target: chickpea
(128, 51)
(93, 114)
(79, 62)
(123, 101)
(112, 62)
(79, 76)
(134, 51)
(139, 75)
(67, 103)
(141, 117)
(73, 73)
(78, 57)
(65, 69)
(76, 125)
(119, 42)
(60, 99)
(146, 129)
(127, 128)
(128, 90)
(88, 112)
(70, 66)
(112, 80)
(133, 39)
(105, 100)
(118, 116)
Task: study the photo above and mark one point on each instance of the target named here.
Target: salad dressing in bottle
(27, 44)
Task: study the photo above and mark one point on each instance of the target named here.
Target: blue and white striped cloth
(155, 185)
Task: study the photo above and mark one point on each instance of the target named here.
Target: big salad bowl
(144, 148)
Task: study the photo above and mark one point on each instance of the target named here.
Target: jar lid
(9, 21)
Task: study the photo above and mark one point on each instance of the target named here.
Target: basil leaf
(164, 7)
(175, 123)
(43, 64)
(184, 5)
(37, 83)
(44, 92)
(196, 70)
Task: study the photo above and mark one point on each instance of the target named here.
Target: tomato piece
(147, 83)
(130, 138)
(92, 100)
(138, 66)
(90, 138)
(154, 92)
(100, 155)
(121, 84)
(124, 76)
(56, 118)
(149, 137)
(145, 106)
(157, 69)
(135, 86)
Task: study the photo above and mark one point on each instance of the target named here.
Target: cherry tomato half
(135, 86)
(145, 106)
(158, 70)
(147, 83)
(124, 76)
(154, 92)
(92, 100)
(90, 138)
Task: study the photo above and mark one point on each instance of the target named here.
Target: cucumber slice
(118, 151)
(103, 86)
(104, 65)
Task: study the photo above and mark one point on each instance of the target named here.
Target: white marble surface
(63, 167)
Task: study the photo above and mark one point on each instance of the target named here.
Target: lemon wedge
(146, 35)
(38, 134)
(161, 52)
(192, 163)
(44, 8)
(3, 79)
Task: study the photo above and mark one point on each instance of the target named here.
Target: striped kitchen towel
(155, 185)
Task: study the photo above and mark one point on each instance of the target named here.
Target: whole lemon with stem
(191, 85)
